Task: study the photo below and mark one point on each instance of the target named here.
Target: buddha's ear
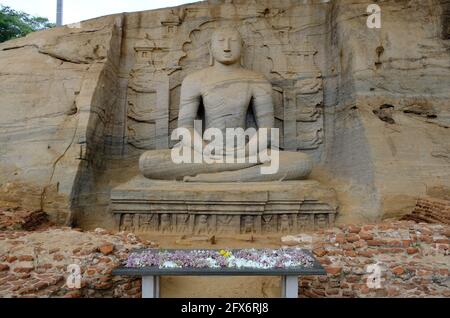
(242, 53)
(211, 57)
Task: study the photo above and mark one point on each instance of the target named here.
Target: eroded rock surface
(370, 106)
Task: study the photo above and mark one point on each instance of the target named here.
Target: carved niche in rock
(148, 99)
(291, 68)
(303, 105)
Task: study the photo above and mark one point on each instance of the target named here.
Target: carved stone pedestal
(144, 205)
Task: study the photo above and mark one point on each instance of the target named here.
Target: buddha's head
(226, 46)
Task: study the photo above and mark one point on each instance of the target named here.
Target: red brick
(375, 242)
(103, 285)
(45, 266)
(422, 272)
(91, 272)
(394, 243)
(334, 253)
(323, 279)
(447, 231)
(354, 229)
(348, 293)
(26, 258)
(348, 247)
(350, 253)
(58, 257)
(442, 247)
(40, 285)
(366, 236)
(351, 238)
(319, 252)
(24, 275)
(381, 293)
(340, 238)
(106, 249)
(105, 278)
(363, 288)
(398, 271)
(23, 270)
(360, 244)
(406, 243)
(4, 267)
(73, 294)
(365, 253)
(334, 271)
(11, 259)
(391, 250)
(412, 250)
(319, 292)
(353, 279)
(444, 272)
(332, 292)
(76, 251)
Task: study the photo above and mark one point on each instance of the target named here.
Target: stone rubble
(21, 219)
(35, 264)
(414, 260)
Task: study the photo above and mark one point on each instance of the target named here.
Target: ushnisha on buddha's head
(226, 46)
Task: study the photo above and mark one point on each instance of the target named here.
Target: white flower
(169, 264)
(212, 263)
(243, 263)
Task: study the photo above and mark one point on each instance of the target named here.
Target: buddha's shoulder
(253, 76)
(196, 76)
(205, 75)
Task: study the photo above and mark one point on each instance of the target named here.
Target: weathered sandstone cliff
(79, 104)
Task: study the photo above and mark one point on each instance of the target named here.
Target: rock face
(81, 104)
(57, 90)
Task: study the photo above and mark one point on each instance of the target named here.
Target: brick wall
(35, 264)
(430, 210)
(414, 261)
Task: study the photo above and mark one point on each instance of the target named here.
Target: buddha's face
(226, 46)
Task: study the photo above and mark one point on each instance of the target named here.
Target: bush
(15, 24)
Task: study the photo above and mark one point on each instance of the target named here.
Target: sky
(79, 10)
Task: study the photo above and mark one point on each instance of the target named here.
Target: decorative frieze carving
(144, 205)
(179, 223)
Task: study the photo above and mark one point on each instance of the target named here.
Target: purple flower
(200, 259)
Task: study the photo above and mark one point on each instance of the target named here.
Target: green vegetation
(15, 24)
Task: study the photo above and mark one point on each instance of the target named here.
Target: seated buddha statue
(226, 91)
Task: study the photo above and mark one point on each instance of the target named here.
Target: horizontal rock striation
(81, 103)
